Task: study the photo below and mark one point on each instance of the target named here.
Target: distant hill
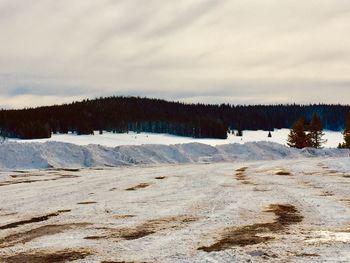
(122, 114)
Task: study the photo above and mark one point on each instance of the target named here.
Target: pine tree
(315, 132)
(269, 135)
(346, 132)
(239, 133)
(297, 137)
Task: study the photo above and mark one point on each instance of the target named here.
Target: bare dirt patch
(259, 189)
(327, 193)
(86, 203)
(286, 215)
(48, 230)
(136, 187)
(32, 220)
(283, 173)
(47, 256)
(122, 216)
(159, 177)
(241, 176)
(242, 169)
(64, 211)
(26, 175)
(27, 179)
(145, 229)
(64, 176)
(5, 183)
(67, 169)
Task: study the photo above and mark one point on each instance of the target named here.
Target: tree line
(123, 114)
(304, 135)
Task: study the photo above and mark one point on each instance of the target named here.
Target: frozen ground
(112, 140)
(277, 211)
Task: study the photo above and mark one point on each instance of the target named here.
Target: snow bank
(57, 154)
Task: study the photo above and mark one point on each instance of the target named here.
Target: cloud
(241, 51)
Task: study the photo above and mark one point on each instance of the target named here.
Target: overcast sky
(236, 51)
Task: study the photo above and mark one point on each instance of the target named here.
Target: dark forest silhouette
(123, 114)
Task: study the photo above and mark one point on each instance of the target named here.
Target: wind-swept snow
(56, 154)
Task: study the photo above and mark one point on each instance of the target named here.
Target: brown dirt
(147, 228)
(19, 171)
(21, 180)
(242, 177)
(327, 193)
(257, 189)
(5, 183)
(122, 216)
(26, 175)
(46, 256)
(286, 215)
(284, 173)
(159, 177)
(64, 211)
(346, 201)
(32, 220)
(64, 176)
(136, 187)
(48, 230)
(332, 171)
(242, 169)
(86, 203)
(67, 169)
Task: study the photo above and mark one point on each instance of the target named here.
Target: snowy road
(280, 211)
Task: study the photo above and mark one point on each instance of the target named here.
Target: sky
(211, 51)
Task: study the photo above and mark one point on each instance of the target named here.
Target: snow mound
(57, 154)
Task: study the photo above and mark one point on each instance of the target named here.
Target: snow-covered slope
(56, 154)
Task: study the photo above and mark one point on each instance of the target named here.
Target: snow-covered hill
(57, 154)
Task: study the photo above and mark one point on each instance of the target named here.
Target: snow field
(170, 213)
(112, 140)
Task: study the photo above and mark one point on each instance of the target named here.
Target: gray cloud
(239, 51)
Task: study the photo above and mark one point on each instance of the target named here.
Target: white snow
(57, 154)
(209, 195)
(111, 139)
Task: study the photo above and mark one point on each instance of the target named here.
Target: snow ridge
(65, 155)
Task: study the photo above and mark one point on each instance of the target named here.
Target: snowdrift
(65, 155)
